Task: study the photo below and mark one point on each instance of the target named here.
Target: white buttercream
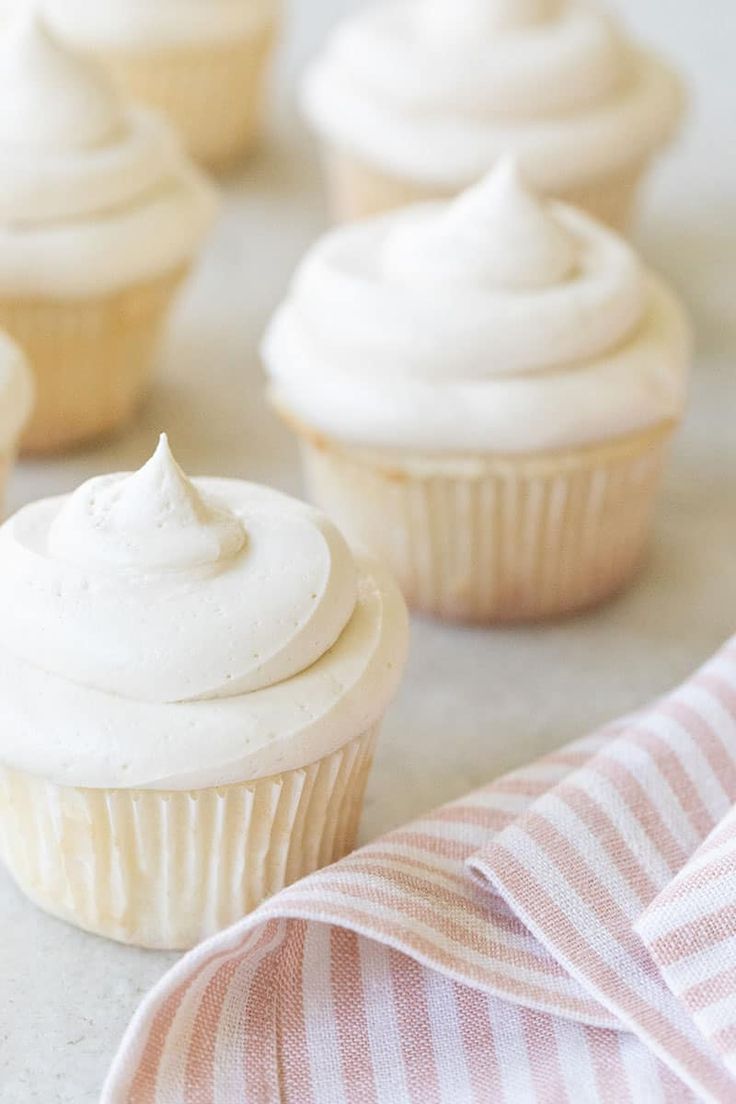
(447, 20)
(153, 520)
(498, 321)
(438, 90)
(16, 393)
(529, 249)
(161, 631)
(151, 24)
(33, 116)
(93, 195)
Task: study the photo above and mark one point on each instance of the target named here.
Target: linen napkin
(566, 934)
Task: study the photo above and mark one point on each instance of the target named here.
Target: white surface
(475, 702)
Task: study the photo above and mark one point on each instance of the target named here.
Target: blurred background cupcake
(192, 680)
(100, 217)
(416, 99)
(201, 62)
(484, 389)
(16, 402)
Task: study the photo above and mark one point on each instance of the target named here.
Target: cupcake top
(162, 632)
(498, 321)
(16, 393)
(94, 195)
(438, 90)
(150, 24)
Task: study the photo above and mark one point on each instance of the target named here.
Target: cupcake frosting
(438, 90)
(168, 632)
(16, 393)
(498, 321)
(94, 195)
(149, 24)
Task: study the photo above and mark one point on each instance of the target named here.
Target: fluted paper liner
(167, 869)
(212, 92)
(357, 190)
(91, 358)
(502, 538)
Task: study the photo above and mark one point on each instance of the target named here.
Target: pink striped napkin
(567, 934)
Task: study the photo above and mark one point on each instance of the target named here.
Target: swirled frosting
(94, 195)
(16, 393)
(162, 631)
(438, 90)
(498, 321)
(149, 24)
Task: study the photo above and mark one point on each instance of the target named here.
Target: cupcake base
(212, 93)
(357, 190)
(168, 869)
(496, 538)
(91, 358)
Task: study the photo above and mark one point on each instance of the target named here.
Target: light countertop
(475, 702)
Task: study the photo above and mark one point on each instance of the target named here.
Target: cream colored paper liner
(497, 538)
(168, 869)
(92, 358)
(211, 93)
(357, 190)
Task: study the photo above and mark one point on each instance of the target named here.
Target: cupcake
(100, 217)
(201, 62)
(483, 389)
(16, 401)
(193, 675)
(418, 99)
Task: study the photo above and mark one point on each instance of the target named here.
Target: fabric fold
(562, 935)
(690, 932)
(586, 860)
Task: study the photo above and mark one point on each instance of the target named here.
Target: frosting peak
(51, 98)
(498, 234)
(153, 520)
(465, 18)
(144, 585)
(95, 194)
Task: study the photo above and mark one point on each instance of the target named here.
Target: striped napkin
(567, 934)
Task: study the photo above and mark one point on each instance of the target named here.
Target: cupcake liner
(357, 190)
(91, 358)
(212, 93)
(168, 869)
(504, 538)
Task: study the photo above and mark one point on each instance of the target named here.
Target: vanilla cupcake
(193, 674)
(16, 401)
(484, 389)
(418, 99)
(100, 217)
(201, 62)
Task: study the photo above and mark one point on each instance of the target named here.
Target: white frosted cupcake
(201, 62)
(484, 389)
(417, 99)
(192, 676)
(100, 217)
(16, 402)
